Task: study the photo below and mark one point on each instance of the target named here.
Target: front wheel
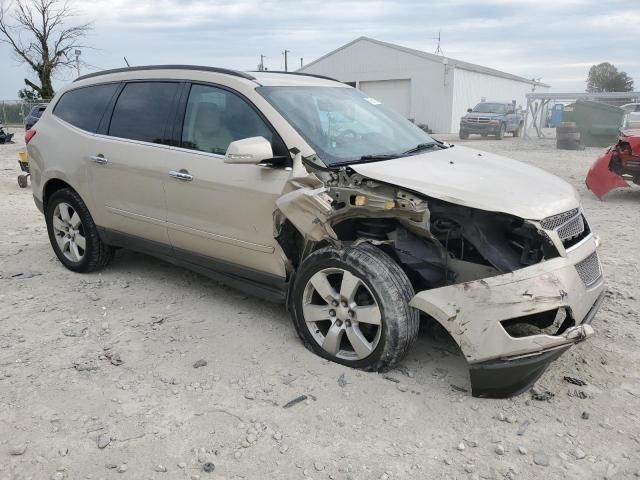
(518, 131)
(351, 306)
(500, 134)
(464, 134)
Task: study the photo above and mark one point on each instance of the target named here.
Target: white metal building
(429, 89)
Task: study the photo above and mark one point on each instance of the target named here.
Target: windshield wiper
(420, 147)
(379, 156)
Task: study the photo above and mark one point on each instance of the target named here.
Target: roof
(167, 67)
(262, 78)
(294, 79)
(435, 58)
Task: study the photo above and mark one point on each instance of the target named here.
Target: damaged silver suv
(305, 191)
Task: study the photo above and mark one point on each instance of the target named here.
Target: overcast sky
(556, 40)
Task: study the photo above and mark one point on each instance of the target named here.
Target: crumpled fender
(600, 180)
(309, 210)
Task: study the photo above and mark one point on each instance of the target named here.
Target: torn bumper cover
(503, 365)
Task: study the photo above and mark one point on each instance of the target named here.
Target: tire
(464, 134)
(382, 284)
(500, 134)
(23, 182)
(78, 230)
(517, 131)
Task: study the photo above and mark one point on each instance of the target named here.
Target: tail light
(29, 135)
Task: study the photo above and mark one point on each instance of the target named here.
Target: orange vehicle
(621, 162)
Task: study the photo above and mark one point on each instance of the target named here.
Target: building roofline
(304, 74)
(225, 71)
(435, 58)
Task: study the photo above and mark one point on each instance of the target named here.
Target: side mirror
(252, 150)
(469, 110)
(510, 112)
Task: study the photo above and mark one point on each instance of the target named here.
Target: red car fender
(600, 180)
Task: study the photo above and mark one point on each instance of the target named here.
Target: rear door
(129, 163)
(223, 213)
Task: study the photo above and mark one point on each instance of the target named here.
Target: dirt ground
(97, 376)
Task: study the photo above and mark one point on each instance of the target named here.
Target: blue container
(556, 115)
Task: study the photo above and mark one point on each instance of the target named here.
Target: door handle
(99, 159)
(182, 174)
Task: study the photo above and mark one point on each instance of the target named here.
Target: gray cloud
(557, 41)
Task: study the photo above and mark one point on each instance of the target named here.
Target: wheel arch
(52, 186)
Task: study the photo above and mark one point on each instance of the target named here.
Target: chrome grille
(572, 228)
(478, 119)
(589, 269)
(554, 221)
(568, 225)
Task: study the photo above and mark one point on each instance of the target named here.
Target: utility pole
(78, 53)
(261, 65)
(301, 65)
(286, 68)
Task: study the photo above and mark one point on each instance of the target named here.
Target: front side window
(142, 111)
(84, 107)
(343, 125)
(216, 117)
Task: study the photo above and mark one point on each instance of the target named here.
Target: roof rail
(226, 71)
(298, 73)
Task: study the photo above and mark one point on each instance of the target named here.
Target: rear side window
(142, 111)
(84, 107)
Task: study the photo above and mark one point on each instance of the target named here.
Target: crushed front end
(619, 163)
(513, 293)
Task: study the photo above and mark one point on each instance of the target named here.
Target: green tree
(39, 35)
(605, 77)
(29, 95)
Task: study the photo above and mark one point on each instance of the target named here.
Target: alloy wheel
(69, 232)
(342, 314)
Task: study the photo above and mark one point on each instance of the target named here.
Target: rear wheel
(351, 306)
(73, 234)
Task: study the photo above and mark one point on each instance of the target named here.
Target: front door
(130, 162)
(217, 212)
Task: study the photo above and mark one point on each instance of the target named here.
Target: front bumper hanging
(472, 312)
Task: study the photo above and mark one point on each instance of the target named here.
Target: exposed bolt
(332, 313)
(348, 323)
(334, 303)
(344, 303)
(351, 313)
(339, 323)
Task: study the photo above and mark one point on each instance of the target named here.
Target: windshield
(343, 125)
(490, 108)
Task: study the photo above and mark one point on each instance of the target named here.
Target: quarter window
(142, 111)
(216, 117)
(84, 107)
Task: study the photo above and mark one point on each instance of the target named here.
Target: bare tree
(38, 33)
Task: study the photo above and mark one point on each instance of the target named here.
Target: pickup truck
(492, 118)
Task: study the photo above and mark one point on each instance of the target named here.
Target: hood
(483, 115)
(482, 180)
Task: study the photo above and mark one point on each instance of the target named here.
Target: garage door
(395, 94)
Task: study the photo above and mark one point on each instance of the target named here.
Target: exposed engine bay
(437, 243)
(513, 293)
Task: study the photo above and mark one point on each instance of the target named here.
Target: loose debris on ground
(102, 375)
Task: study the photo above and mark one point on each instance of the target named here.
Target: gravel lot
(97, 376)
